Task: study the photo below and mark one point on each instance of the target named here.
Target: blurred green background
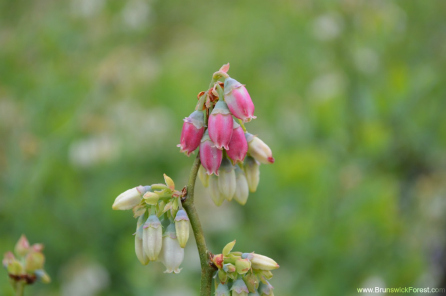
(350, 96)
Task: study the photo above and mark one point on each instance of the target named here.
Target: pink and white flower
(220, 125)
(238, 100)
(238, 147)
(193, 130)
(210, 156)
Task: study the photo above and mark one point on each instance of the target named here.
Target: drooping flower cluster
(243, 273)
(229, 155)
(25, 265)
(162, 228)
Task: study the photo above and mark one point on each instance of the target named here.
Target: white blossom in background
(327, 26)
(84, 278)
(86, 8)
(366, 60)
(373, 282)
(327, 86)
(136, 14)
(93, 150)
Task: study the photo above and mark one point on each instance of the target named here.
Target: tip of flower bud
(181, 215)
(22, 246)
(230, 84)
(271, 159)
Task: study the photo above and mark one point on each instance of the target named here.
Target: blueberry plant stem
(207, 267)
(20, 289)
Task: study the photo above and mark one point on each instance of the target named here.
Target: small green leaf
(228, 248)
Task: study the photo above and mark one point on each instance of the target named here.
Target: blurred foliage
(350, 96)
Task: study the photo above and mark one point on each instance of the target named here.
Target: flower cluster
(243, 273)
(25, 265)
(162, 228)
(229, 155)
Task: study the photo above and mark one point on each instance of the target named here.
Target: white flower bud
(222, 290)
(172, 254)
(252, 173)
(216, 196)
(226, 179)
(258, 149)
(152, 237)
(239, 288)
(204, 177)
(139, 247)
(182, 227)
(262, 262)
(241, 188)
(130, 198)
(266, 289)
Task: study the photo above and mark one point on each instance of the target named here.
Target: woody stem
(207, 267)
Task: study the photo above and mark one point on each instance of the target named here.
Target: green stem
(207, 269)
(242, 125)
(216, 76)
(20, 289)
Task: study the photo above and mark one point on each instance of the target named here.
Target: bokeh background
(350, 96)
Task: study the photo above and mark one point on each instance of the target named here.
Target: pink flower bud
(8, 258)
(238, 147)
(238, 100)
(22, 246)
(220, 125)
(193, 129)
(258, 149)
(210, 156)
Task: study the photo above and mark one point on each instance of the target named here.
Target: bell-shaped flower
(252, 281)
(222, 290)
(238, 100)
(252, 172)
(172, 254)
(216, 196)
(226, 179)
(241, 188)
(239, 288)
(210, 156)
(139, 246)
(204, 177)
(258, 149)
(238, 147)
(220, 125)
(193, 129)
(182, 227)
(266, 289)
(152, 237)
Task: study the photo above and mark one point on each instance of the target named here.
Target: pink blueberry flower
(193, 130)
(220, 125)
(238, 100)
(238, 147)
(210, 156)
